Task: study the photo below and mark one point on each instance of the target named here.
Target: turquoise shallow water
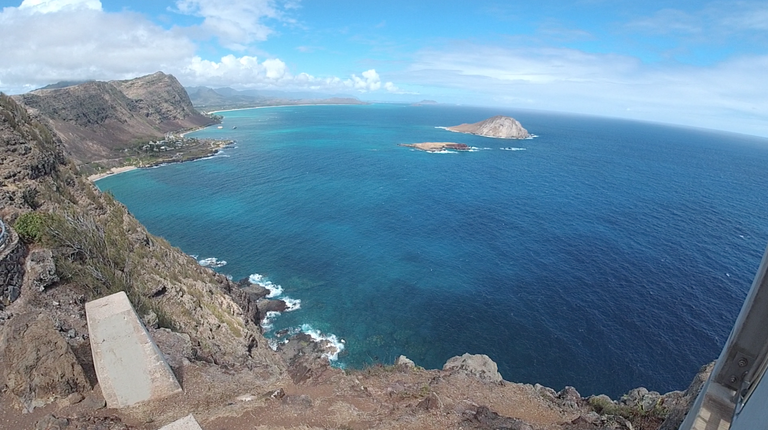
(607, 254)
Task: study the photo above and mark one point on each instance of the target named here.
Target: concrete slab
(185, 423)
(129, 366)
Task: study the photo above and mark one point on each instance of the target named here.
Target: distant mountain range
(208, 99)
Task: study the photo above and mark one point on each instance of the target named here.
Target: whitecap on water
(274, 289)
(212, 262)
(333, 344)
(267, 323)
(292, 304)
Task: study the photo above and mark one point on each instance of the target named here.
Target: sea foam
(212, 262)
(274, 289)
(333, 344)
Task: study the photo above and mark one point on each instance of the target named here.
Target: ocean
(604, 254)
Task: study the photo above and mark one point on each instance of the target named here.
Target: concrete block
(129, 366)
(184, 423)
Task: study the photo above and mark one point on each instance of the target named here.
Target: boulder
(269, 305)
(479, 365)
(41, 365)
(484, 418)
(405, 361)
(176, 347)
(40, 269)
(569, 398)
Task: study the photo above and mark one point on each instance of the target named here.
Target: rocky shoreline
(437, 147)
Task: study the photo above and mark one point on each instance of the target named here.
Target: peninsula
(434, 147)
(494, 127)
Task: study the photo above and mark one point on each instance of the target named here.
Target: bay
(604, 254)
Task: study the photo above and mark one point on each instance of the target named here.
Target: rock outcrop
(40, 364)
(494, 127)
(97, 119)
(479, 365)
(40, 269)
(436, 147)
(11, 269)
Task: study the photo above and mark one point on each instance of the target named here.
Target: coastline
(196, 129)
(274, 106)
(112, 171)
(122, 169)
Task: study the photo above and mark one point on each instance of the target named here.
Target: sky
(694, 63)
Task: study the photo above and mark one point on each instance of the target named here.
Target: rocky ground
(49, 383)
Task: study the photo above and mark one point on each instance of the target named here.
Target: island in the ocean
(494, 127)
(434, 147)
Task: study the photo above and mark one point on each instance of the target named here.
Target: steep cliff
(96, 247)
(97, 120)
(494, 127)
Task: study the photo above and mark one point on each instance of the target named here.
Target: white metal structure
(736, 395)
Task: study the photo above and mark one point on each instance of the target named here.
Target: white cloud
(48, 6)
(247, 72)
(561, 79)
(714, 20)
(55, 40)
(46, 42)
(236, 23)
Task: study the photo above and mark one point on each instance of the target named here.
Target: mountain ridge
(98, 119)
(227, 98)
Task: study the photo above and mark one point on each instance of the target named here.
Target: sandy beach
(111, 171)
(195, 130)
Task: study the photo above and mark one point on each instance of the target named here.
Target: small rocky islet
(495, 127)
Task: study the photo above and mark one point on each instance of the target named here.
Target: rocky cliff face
(96, 120)
(99, 248)
(494, 127)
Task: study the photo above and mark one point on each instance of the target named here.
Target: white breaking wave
(291, 304)
(212, 262)
(267, 323)
(334, 345)
(512, 148)
(274, 289)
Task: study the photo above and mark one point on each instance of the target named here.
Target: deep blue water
(607, 255)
